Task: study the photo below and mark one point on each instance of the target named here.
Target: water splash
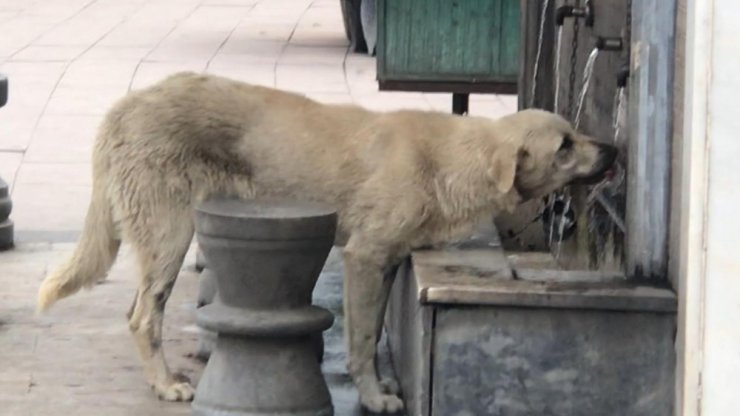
(620, 100)
(588, 71)
(538, 56)
(561, 230)
(559, 44)
(618, 173)
(612, 186)
(611, 211)
(551, 200)
(556, 109)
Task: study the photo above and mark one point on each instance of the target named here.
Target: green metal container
(461, 46)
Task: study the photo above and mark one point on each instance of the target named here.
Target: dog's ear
(502, 169)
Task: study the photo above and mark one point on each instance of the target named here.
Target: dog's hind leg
(160, 251)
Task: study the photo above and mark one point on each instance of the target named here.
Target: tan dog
(399, 180)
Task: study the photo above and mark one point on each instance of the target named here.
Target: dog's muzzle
(607, 157)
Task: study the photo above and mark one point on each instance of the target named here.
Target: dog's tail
(92, 258)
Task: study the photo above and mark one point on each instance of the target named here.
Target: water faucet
(586, 12)
(609, 44)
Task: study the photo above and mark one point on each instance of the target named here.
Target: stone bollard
(3, 90)
(6, 225)
(266, 257)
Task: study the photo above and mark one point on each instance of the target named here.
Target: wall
(709, 340)
(722, 301)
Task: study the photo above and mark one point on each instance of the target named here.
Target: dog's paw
(382, 403)
(175, 392)
(389, 385)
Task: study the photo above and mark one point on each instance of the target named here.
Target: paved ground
(67, 61)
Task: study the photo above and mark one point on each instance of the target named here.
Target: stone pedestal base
(200, 260)
(264, 376)
(206, 294)
(266, 258)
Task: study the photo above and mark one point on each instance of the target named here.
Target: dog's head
(540, 152)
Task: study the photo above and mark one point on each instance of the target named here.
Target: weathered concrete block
(537, 361)
(266, 258)
(472, 335)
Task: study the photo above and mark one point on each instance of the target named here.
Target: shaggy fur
(398, 180)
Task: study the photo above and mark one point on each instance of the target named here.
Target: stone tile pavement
(67, 61)
(80, 359)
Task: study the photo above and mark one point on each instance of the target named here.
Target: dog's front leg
(365, 296)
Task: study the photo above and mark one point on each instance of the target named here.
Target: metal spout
(586, 12)
(609, 44)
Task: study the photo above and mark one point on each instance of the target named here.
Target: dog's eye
(567, 144)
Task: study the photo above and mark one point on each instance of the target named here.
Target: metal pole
(460, 103)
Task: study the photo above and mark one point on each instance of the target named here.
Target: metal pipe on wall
(650, 132)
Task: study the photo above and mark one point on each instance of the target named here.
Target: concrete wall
(710, 196)
(722, 302)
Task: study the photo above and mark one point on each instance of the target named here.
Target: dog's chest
(441, 230)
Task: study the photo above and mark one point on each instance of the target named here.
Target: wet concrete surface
(80, 359)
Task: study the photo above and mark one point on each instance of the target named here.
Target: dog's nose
(608, 154)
